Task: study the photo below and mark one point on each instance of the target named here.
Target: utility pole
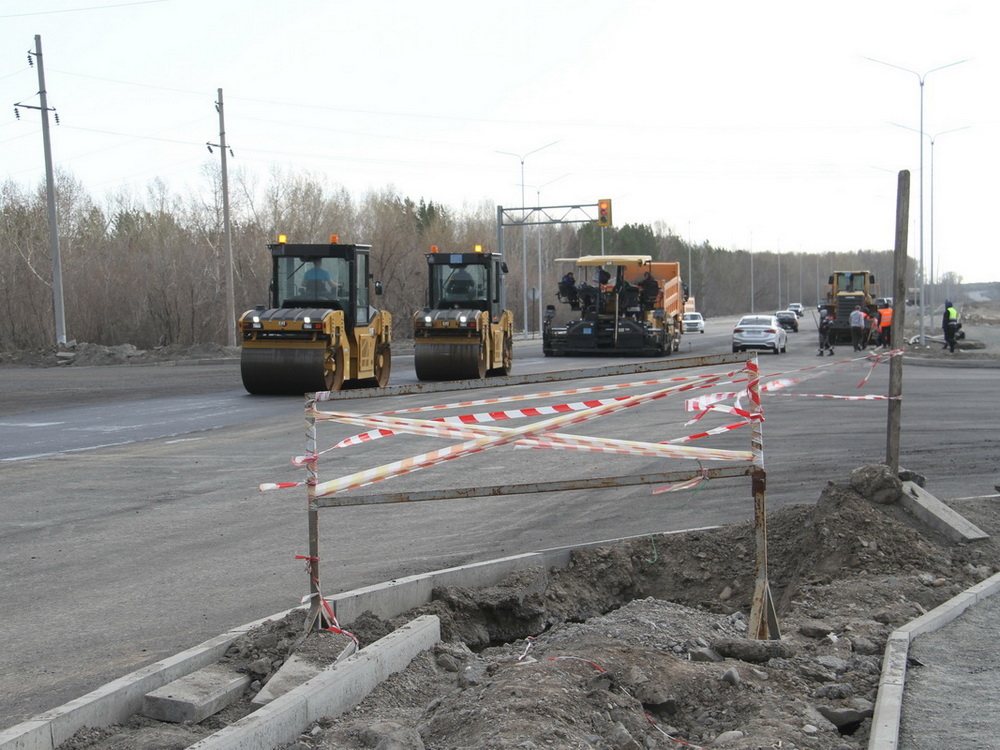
(50, 191)
(230, 286)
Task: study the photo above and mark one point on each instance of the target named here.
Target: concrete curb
(938, 516)
(889, 704)
(331, 693)
(918, 361)
(117, 700)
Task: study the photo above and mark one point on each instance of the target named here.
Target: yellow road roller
(320, 332)
(464, 332)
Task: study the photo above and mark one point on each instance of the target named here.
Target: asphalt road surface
(132, 525)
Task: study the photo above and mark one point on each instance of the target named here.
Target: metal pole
(538, 234)
(779, 281)
(921, 79)
(524, 259)
(50, 199)
(922, 270)
(690, 269)
(500, 247)
(931, 229)
(524, 239)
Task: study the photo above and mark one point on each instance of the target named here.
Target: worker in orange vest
(885, 326)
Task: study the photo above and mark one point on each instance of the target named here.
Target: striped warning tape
(496, 439)
(480, 437)
(482, 417)
(567, 392)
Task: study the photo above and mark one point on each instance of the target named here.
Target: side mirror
(378, 287)
(503, 266)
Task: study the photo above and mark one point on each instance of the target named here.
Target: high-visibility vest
(952, 314)
(886, 317)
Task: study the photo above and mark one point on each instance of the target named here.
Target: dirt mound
(643, 644)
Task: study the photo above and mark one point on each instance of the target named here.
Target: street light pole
(538, 252)
(932, 139)
(921, 79)
(524, 239)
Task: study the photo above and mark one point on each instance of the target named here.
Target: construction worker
(857, 322)
(825, 326)
(885, 325)
(949, 322)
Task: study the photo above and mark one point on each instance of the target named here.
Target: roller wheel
(450, 361)
(282, 372)
(383, 364)
(333, 369)
(507, 366)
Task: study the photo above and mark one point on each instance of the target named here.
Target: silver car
(693, 322)
(759, 332)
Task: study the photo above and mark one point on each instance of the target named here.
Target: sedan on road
(788, 320)
(759, 332)
(693, 322)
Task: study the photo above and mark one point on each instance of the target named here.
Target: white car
(693, 323)
(797, 308)
(759, 332)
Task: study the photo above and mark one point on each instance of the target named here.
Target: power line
(80, 10)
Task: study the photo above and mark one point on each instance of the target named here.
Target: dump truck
(464, 332)
(626, 304)
(319, 331)
(845, 290)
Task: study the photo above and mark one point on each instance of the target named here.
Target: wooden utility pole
(897, 337)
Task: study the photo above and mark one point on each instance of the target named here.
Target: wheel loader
(320, 332)
(845, 290)
(464, 332)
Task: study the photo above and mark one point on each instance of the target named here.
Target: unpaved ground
(642, 644)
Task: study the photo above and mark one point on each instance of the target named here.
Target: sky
(768, 126)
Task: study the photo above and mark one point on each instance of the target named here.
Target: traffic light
(604, 212)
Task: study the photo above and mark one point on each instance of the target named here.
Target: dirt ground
(643, 644)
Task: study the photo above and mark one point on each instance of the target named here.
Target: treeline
(151, 270)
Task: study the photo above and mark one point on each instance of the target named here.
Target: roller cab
(463, 332)
(320, 332)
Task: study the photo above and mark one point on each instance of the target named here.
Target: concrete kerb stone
(939, 516)
(975, 364)
(331, 693)
(889, 703)
(117, 700)
(114, 702)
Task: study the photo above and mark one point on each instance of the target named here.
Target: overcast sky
(750, 125)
